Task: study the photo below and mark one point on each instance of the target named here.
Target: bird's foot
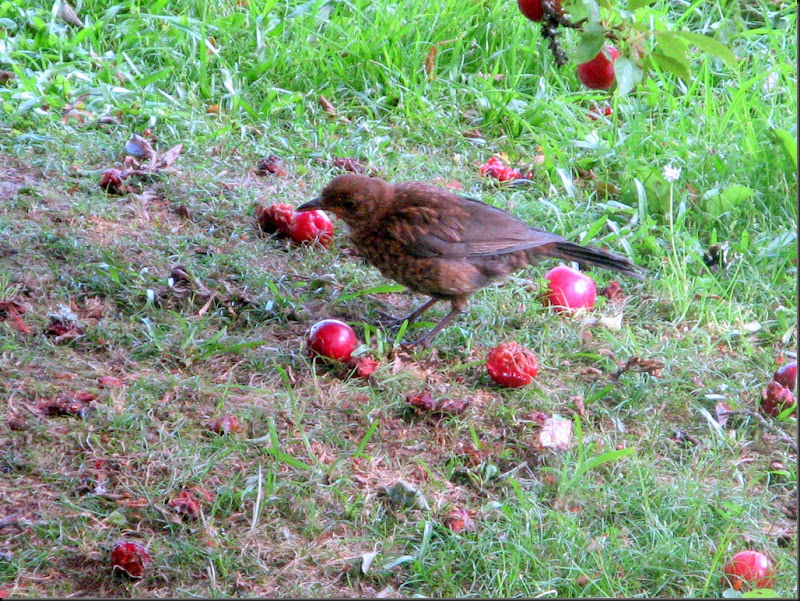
(423, 343)
(390, 321)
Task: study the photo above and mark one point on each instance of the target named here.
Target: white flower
(671, 174)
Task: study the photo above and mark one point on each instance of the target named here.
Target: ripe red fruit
(511, 365)
(598, 73)
(312, 226)
(364, 366)
(187, 503)
(509, 174)
(495, 168)
(275, 219)
(569, 289)
(132, 558)
(333, 339)
(787, 375)
(459, 520)
(533, 8)
(111, 180)
(272, 164)
(225, 424)
(491, 167)
(776, 398)
(598, 112)
(747, 570)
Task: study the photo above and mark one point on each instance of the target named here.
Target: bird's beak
(311, 205)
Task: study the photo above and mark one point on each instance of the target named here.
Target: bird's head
(351, 197)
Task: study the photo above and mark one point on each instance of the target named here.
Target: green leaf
(398, 561)
(788, 143)
(599, 394)
(370, 431)
(676, 51)
(718, 202)
(634, 4)
(624, 73)
(595, 227)
(383, 289)
(783, 415)
(289, 460)
(737, 194)
(589, 43)
(670, 65)
(604, 458)
(760, 593)
(709, 45)
(655, 187)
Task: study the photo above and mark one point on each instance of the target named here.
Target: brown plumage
(443, 245)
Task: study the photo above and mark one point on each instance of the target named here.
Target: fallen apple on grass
(130, 557)
(600, 111)
(333, 339)
(787, 376)
(495, 168)
(275, 219)
(780, 392)
(511, 365)
(311, 226)
(363, 367)
(569, 289)
(748, 570)
(112, 181)
(459, 520)
(223, 425)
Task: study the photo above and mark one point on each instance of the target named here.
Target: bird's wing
(438, 223)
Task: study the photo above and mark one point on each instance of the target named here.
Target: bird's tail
(587, 255)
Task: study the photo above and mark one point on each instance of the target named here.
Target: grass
(296, 493)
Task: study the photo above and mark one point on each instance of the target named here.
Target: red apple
(225, 424)
(333, 339)
(312, 226)
(491, 167)
(533, 8)
(787, 375)
(459, 520)
(749, 569)
(598, 112)
(511, 365)
(275, 219)
(598, 73)
(132, 558)
(111, 180)
(776, 398)
(569, 289)
(364, 366)
(495, 168)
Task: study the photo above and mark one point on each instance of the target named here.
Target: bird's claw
(390, 321)
(423, 343)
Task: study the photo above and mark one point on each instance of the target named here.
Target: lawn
(130, 322)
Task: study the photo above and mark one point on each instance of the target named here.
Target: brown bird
(441, 244)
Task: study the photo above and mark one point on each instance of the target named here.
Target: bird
(441, 244)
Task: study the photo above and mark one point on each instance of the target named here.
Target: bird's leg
(459, 304)
(412, 317)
